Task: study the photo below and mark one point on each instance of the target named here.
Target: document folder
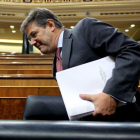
(89, 78)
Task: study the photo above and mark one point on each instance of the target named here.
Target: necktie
(58, 60)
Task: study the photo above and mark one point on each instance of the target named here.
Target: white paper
(89, 78)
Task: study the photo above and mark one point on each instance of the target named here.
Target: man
(90, 40)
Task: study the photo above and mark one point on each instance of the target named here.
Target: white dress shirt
(60, 41)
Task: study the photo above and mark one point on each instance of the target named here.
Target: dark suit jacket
(92, 39)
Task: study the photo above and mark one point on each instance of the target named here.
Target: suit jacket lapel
(66, 49)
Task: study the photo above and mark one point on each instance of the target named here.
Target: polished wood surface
(18, 91)
(23, 65)
(22, 75)
(12, 108)
(13, 99)
(31, 60)
(28, 82)
(14, 92)
(26, 76)
(27, 55)
(25, 58)
(49, 91)
(26, 71)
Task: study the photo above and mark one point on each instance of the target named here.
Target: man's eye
(34, 34)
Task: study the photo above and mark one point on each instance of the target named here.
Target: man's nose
(32, 42)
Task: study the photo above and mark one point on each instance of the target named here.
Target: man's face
(41, 38)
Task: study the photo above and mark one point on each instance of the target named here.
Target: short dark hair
(40, 17)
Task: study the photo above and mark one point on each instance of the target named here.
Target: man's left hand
(104, 104)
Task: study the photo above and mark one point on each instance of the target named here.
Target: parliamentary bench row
(32, 54)
(31, 81)
(24, 59)
(26, 65)
(26, 71)
(14, 89)
(12, 108)
(24, 91)
(27, 55)
(27, 80)
(12, 99)
(23, 75)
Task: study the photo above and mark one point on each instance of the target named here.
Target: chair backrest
(44, 108)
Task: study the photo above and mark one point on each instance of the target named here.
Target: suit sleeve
(107, 41)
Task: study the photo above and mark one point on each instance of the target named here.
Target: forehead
(30, 28)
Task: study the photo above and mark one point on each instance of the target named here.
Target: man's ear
(50, 24)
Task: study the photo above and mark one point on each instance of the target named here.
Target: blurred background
(123, 14)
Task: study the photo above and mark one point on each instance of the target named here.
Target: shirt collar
(60, 40)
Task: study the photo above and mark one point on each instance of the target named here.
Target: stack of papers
(89, 78)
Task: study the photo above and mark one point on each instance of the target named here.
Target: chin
(44, 51)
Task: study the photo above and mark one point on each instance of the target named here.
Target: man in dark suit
(90, 40)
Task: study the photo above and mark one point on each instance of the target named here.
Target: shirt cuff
(121, 103)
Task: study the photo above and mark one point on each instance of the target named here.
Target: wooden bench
(12, 99)
(12, 108)
(26, 71)
(29, 75)
(24, 91)
(23, 59)
(27, 80)
(27, 55)
(25, 65)
(14, 88)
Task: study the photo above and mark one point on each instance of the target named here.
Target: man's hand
(104, 104)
